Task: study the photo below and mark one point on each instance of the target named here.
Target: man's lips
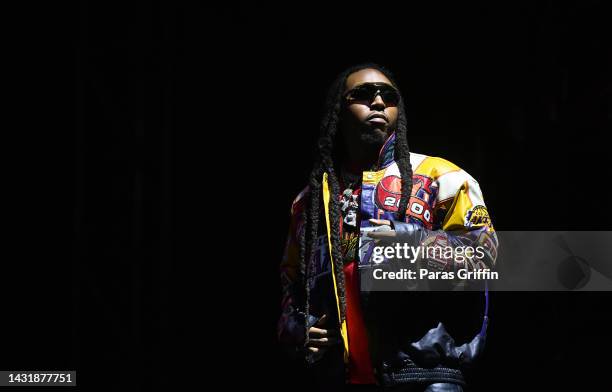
(378, 118)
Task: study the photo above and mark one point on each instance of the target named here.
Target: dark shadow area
(194, 132)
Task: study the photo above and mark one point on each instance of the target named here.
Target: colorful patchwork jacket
(446, 208)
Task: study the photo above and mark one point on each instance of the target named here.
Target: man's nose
(378, 103)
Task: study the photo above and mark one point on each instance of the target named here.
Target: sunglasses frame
(379, 86)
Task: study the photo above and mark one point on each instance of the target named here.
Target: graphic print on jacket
(445, 200)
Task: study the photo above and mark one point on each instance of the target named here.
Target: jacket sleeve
(291, 325)
(462, 221)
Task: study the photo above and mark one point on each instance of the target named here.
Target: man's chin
(374, 136)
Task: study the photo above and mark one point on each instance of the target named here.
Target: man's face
(371, 120)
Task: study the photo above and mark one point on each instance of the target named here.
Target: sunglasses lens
(363, 93)
(367, 92)
(390, 96)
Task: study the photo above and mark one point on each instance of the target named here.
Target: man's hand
(384, 230)
(393, 232)
(321, 339)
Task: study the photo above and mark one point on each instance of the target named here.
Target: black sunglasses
(369, 91)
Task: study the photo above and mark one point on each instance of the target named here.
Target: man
(358, 192)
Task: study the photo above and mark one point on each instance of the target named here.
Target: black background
(156, 262)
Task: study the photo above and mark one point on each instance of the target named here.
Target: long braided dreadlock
(324, 164)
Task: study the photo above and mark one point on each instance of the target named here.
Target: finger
(381, 222)
(382, 234)
(322, 320)
(317, 353)
(317, 350)
(323, 342)
(319, 332)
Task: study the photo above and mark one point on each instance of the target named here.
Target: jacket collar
(387, 153)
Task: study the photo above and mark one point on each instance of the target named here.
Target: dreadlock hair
(324, 164)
